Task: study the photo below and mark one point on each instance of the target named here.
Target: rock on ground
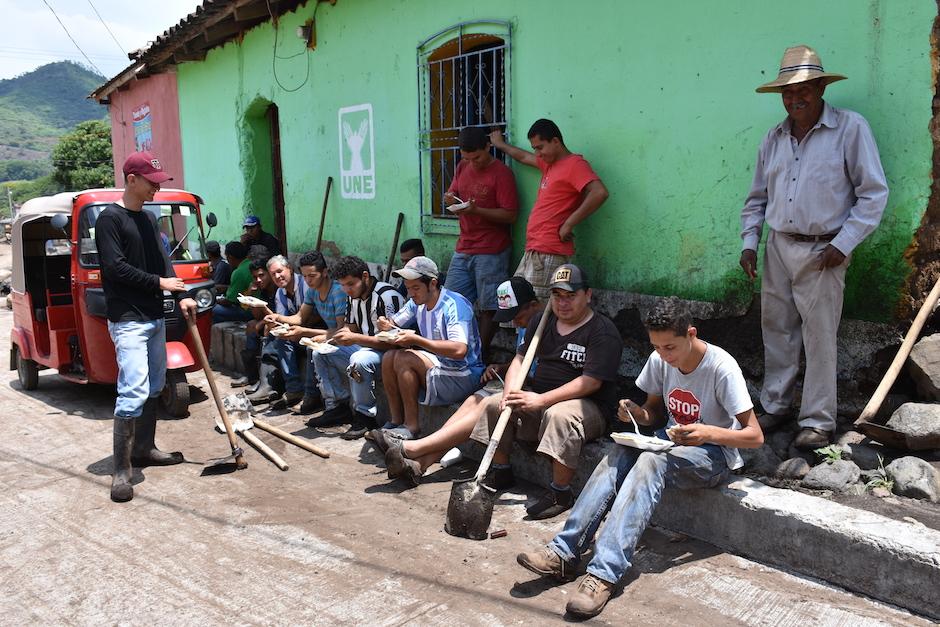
(864, 456)
(760, 461)
(793, 468)
(924, 366)
(916, 419)
(837, 476)
(915, 478)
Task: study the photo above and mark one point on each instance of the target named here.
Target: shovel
(237, 406)
(235, 461)
(470, 508)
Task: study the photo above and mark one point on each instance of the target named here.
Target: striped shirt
(451, 319)
(330, 309)
(286, 305)
(383, 300)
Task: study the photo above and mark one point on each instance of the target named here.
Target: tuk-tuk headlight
(169, 305)
(204, 298)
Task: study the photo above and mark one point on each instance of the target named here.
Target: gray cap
(568, 277)
(416, 268)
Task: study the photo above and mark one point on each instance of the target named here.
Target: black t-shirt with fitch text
(593, 349)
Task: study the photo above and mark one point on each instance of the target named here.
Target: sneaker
(361, 423)
(310, 404)
(399, 466)
(553, 503)
(499, 479)
(381, 439)
(547, 563)
(287, 400)
(332, 417)
(590, 598)
(241, 382)
(810, 439)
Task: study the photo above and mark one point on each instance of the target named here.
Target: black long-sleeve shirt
(132, 262)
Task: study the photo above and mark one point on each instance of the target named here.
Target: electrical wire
(107, 28)
(72, 38)
(275, 56)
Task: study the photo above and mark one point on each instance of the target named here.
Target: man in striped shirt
(442, 362)
(350, 372)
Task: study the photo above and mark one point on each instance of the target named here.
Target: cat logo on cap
(562, 275)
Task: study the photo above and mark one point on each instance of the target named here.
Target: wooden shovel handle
(895, 369)
(293, 439)
(265, 450)
(204, 362)
(515, 384)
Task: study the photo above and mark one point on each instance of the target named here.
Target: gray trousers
(800, 310)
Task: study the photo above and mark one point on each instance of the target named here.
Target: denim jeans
(476, 277)
(140, 347)
(337, 386)
(288, 356)
(230, 313)
(628, 484)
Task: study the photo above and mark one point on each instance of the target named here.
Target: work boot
(810, 439)
(499, 479)
(590, 598)
(332, 417)
(553, 503)
(401, 467)
(250, 361)
(310, 404)
(121, 488)
(289, 399)
(265, 392)
(144, 451)
(547, 563)
(360, 424)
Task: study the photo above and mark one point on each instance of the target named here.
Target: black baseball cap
(568, 277)
(511, 296)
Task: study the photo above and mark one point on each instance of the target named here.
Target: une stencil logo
(356, 152)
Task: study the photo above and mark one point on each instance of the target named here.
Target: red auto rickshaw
(59, 313)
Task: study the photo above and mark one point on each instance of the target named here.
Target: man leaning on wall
(820, 187)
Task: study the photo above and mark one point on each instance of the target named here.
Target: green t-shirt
(241, 279)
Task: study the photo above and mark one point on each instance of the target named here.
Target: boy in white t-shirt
(698, 391)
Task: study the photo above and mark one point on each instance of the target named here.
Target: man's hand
(830, 257)
(384, 324)
(272, 318)
(189, 308)
(344, 337)
(694, 434)
(627, 408)
(172, 284)
(496, 138)
(749, 262)
(450, 199)
(566, 232)
(491, 372)
(523, 401)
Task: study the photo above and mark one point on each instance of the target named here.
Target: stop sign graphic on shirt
(684, 407)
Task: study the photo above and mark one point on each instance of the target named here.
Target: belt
(799, 237)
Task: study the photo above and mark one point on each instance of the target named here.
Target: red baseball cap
(146, 165)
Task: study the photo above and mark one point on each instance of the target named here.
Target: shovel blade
(897, 439)
(224, 465)
(469, 509)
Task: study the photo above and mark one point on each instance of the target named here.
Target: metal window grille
(462, 81)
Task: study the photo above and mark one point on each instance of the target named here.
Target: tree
(82, 158)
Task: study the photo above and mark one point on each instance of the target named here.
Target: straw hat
(799, 64)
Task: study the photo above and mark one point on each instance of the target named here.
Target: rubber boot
(250, 361)
(265, 392)
(121, 488)
(145, 452)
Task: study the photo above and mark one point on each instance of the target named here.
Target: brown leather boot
(590, 598)
(547, 563)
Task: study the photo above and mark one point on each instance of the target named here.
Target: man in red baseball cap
(135, 272)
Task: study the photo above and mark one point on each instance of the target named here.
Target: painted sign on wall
(356, 152)
(143, 129)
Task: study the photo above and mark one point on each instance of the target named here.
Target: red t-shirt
(492, 188)
(559, 196)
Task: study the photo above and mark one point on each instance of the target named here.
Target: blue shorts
(476, 277)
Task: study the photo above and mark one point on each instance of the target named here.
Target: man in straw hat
(820, 187)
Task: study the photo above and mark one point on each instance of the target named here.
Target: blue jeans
(140, 348)
(477, 277)
(628, 484)
(288, 355)
(230, 313)
(337, 386)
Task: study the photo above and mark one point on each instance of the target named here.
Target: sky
(33, 37)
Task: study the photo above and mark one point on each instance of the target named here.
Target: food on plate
(280, 329)
(251, 301)
(324, 348)
(640, 441)
(391, 334)
(458, 207)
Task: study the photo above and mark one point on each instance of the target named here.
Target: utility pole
(10, 201)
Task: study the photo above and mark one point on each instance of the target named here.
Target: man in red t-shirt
(483, 197)
(568, 193)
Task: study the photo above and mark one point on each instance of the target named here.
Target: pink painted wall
(159, 92)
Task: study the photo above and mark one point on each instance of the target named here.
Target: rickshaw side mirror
(211, 220)
(59, 221)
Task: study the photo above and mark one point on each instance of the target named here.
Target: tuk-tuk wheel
(175, 396)
(27, 371)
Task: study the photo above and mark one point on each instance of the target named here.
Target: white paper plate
(322, 348)
(391, 334)
(640, 441)
(251, 301)
(280, 330)
(458, 207)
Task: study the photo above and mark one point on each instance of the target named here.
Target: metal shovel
(470, 507)
(237, 406)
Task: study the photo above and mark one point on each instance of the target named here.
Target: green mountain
(38, 107)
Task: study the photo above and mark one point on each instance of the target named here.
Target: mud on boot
(145, 451)
(121, 488)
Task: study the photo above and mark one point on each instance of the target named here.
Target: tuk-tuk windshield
(179, 232)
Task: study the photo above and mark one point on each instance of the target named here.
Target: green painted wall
(659, 96)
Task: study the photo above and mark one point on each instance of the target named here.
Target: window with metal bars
(463, 78)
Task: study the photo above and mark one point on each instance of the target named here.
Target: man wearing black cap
(221, 271)
(254, 234)
(135, 272)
